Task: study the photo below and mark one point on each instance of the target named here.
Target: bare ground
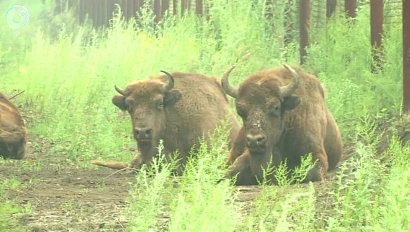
(65, 197)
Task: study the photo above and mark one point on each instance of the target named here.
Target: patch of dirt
(67, 198)
(64, 197)
(71, 199)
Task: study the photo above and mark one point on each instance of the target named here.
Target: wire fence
(100, 12)
(296, 23)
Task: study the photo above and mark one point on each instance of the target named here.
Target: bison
(177, 108)
(284, 118)
(13, 133)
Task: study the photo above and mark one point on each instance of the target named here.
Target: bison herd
(283, 112)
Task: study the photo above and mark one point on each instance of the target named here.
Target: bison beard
(284, 118)
(178, 109)
(13, 134)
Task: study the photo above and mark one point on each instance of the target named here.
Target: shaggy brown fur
(13, 133)
(279, 127)
(178, 110)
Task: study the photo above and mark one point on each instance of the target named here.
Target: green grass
(68, 80)
(371, 197)
(9, 212)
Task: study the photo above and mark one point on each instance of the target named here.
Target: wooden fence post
(351, 8)
(269, 15)
(184, 6)
(330, 7)
(376, 31)
(288, 23)
(157, 11)
(406, 55)
(199, 10)
(304, 26)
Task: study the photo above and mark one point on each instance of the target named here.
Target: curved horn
(231, 91)
(119, 90)
(287, 90)
(168, 86)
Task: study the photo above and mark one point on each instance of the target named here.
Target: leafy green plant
(201, 204)
(151, 193)
(9, 211)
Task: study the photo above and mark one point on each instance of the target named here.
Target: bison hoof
(315, 174)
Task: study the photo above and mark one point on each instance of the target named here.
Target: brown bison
(13, 133)
(177, 108)
(284, 118)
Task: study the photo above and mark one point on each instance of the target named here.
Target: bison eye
(160, 105)
(129, 104)
(274, 110)
(242, 113)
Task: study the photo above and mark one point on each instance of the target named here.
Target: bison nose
(143, 133)
(255, 140)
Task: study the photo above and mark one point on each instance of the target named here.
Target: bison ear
(119, 101)
(290, 102)
(171, 97)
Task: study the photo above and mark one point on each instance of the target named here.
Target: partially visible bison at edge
(13, 133)
(284, 118)
(178, 108)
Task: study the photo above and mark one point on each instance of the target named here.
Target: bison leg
(333, 142)
(238, 147)
(319, 170)
(17, 151)
(12, 145)
(242, 170)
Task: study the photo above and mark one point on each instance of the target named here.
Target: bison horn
(168, 86)
(119, 90)
(231, 91)
(287, 90)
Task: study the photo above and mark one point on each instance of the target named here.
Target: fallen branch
(113, 164)
(121, 170)
(16, 95)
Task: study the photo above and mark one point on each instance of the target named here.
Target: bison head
(147, 102)
(261, 101)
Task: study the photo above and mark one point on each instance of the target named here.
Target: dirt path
(73, 199)
(69, 198)
(65, 197)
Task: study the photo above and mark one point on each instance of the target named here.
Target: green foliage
(191, 201)
(283, 209)
(370, 195)
(341, 56)
(68, 72)
(201, 204)
(9, 212)
(394, 207)
(151, 194)
(284, 176)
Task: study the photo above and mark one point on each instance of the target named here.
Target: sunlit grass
(9, 212)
